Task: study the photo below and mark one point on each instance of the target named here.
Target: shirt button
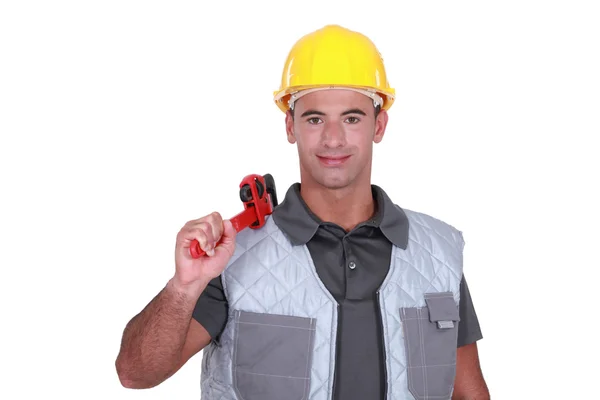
(352, 265)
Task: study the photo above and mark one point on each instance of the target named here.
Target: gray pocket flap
(284, 321)
(442, 308)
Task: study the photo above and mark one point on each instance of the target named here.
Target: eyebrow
(315, 112)
(354, 111)
(311, 112)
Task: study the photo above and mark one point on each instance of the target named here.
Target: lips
(333, 160)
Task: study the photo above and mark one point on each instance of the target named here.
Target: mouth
(333, 161)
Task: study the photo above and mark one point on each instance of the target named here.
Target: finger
(228, 238)
(229, 231)
(206, 226)
(204, 237)
(216, 222)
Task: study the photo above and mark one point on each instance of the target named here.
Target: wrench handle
(196, 251)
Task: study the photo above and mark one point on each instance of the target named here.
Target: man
(342, 294)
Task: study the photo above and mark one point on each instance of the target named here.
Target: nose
(333, 135)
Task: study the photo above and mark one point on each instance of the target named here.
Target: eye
(314, 120)
(352, 120)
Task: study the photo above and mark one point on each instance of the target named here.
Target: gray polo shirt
(352, 266)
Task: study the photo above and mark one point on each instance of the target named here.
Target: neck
(346, 207)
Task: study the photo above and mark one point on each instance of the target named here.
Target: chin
(334, 182)
(329, 178)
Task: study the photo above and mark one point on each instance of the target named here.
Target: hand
(208, 230)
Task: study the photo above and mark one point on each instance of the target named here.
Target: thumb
(228, 237)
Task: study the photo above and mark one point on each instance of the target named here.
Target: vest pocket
(430, 339)
(272, 356)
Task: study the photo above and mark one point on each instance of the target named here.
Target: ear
(380, 125)
(289, 127)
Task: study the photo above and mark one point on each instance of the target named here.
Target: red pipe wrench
(259, 197)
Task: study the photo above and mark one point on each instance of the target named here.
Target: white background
(122, 120)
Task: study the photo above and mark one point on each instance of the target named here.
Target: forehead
(333, 99)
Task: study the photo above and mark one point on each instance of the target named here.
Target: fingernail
(210, 253)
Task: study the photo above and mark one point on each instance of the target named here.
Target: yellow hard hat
(334, 57)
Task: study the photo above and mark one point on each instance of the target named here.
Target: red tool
(259, 197)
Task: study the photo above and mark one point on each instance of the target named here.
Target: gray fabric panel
(431, 351)
(272, 355)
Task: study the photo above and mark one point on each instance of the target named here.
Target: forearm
(153, 340)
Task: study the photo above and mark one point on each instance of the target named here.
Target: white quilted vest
(280, 339)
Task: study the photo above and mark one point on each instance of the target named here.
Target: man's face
(334, 131)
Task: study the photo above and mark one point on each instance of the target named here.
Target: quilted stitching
(431, 263)
(267, 274)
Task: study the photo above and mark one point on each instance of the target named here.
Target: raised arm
(163, 336)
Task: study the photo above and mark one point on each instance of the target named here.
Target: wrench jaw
(259, 197)
(255, 193)
(246, 191)
(270, 183)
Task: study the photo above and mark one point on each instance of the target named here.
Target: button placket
(351, 264)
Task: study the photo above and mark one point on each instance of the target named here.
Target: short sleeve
(212, 309)
(469, 330)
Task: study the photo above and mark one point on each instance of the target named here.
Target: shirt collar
(300, 224)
